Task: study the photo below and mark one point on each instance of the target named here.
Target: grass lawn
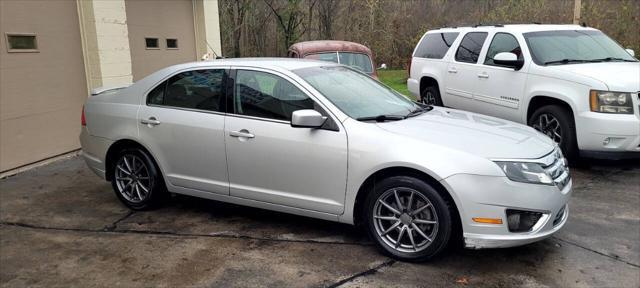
(396, 79)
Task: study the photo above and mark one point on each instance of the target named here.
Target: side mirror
(307, 118)
(631, 52)
(508, 59)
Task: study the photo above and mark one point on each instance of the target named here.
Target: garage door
(42, 81)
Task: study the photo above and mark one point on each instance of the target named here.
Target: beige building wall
(41, 93)
(105, 40)
(85, 44)
(160, 19)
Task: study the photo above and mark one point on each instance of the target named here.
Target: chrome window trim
(187, 109)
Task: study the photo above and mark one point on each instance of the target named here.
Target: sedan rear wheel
(136, 180)
(408, 219)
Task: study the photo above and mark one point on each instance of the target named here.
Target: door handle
(483, 75)
(241, 134)
(452, 70)
(152, 121)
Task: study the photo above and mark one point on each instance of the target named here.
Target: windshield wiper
(382, 118)
(566, 61)
(610, 59)
(419, 110)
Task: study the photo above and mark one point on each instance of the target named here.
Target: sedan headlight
(611, 102)
(527, 172)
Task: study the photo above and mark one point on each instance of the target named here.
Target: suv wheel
(430, 95)
(556, 122)
(136, 180)
(408, 219)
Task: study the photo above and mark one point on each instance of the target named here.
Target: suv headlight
(611, 102)
(527, 172)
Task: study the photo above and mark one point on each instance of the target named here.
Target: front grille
(556, 166)
(559, 216)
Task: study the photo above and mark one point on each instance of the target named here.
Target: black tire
(439, 233)
(157, 192)
(430, 95)
(564, 116)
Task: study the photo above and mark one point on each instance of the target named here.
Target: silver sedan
(322, 140)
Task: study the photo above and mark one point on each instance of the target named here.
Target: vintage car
(343, 52)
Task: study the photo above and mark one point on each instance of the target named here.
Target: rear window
(435, 45)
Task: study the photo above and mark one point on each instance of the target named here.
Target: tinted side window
(200, 89)
(435, 45)
(502, 42)
(470, 47)
(156, 96)
(266, 95)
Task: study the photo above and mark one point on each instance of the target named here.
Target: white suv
(572, 83)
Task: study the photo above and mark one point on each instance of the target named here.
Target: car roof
(262, 62)
(317, 46)
(514, 28)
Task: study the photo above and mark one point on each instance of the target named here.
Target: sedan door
(270, 161)
(182, 124)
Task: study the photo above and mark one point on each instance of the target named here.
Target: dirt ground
(60, 225)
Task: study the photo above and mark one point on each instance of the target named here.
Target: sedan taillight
(83, 119)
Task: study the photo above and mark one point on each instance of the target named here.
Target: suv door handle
(152, 121)
(483, 75)
(241, 134)
(452, 70)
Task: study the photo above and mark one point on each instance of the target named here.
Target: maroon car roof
(308, 47)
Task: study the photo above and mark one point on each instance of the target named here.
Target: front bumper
(414, 87)
(608, 135)
(489, 197)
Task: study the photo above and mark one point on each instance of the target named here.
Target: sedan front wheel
(408, 219)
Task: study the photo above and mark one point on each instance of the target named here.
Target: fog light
(522, 221)
(606, 141)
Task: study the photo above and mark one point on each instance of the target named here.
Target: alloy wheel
(132, 178)
(405, 220)
(429, 98)
(550, 126)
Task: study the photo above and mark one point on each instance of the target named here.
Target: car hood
(476, 134)
(618, 76)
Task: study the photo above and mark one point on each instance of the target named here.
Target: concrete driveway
(62, 226)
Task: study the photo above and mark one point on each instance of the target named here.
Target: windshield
(359, 61)
(356, 60)
(574, 46)
(356, 94)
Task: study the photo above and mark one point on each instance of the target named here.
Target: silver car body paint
(318, 173)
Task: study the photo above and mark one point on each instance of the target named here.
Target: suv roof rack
(494, 25)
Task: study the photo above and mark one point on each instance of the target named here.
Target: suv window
(502, 42)
(265, 95)
(470, 47)
(199, 89)
(435, 45)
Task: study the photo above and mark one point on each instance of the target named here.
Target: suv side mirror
(508, 59)
(631, 52)
(307, 118)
